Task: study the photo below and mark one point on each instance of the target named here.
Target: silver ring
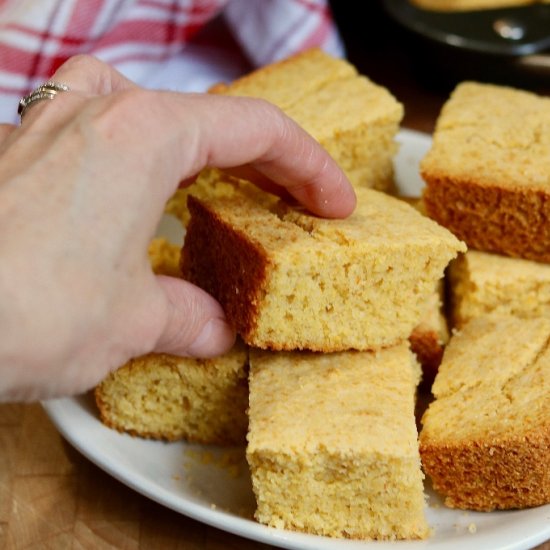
(48, 90)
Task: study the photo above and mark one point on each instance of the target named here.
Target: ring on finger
(48, 90)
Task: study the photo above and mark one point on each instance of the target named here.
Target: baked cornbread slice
(485, 440)
(353, 118)
(289, 280)
(332, 443)
(162, 396)
(488, 171)
(481, 283)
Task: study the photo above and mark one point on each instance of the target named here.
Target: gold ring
(48, 90)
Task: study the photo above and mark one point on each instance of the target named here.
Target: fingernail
(215, 338)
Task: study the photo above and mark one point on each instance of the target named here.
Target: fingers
(210, 130)
(259, 134)
(194, 324)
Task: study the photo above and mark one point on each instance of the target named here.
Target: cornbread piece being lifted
(332, 443)
(488, 172)
(162, 396)
(481, 283)
(289, 280)
(353, 118)
(485, 440)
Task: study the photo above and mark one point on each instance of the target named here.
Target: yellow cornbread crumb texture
(488, 171)
(485, 440)
(332, 443)
(167, 397)
(481, 283)
(290, 280)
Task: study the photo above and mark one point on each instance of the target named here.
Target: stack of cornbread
(485, 440)
(328, 311)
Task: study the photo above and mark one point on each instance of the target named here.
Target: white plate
(196, 480)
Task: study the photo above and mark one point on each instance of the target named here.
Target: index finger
(257, 133)
(224, 132)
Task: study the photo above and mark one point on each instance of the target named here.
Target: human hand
(83, 185)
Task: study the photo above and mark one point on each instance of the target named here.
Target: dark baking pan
(496, 44)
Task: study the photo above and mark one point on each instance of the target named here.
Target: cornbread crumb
(488, 171)
(332, 443)
(289, 280)
(485, 439)
(481, 283)
(472, 528)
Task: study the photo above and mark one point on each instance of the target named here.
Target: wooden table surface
(51, 497)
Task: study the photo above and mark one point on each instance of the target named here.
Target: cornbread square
(481, 283)
(290, 280)
(488, 171)
(332, 443)
(162, 396)
(485, 440)
(353, 118)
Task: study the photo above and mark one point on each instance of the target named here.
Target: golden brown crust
(504, 473)
(237, 282)
(510, 221)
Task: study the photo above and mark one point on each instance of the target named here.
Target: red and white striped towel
(184, 45)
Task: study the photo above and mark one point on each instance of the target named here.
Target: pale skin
(83, 184)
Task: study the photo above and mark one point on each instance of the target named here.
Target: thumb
(195, 322)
